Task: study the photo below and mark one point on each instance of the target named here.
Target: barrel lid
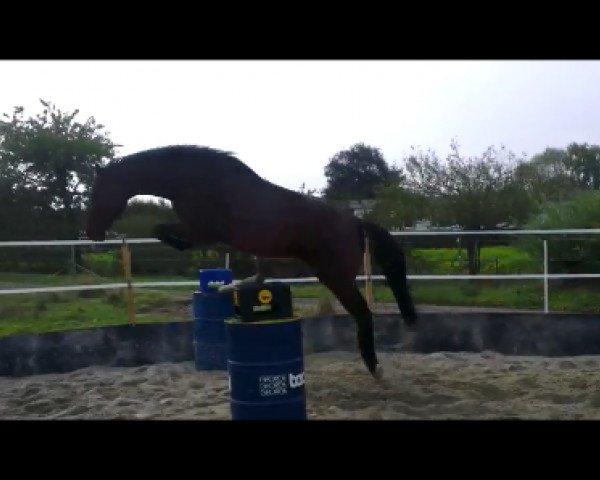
(238, 321)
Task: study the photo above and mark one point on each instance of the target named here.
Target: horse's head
(107, 201)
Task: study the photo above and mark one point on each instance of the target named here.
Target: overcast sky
(286, 119)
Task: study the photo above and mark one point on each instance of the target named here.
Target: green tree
(547, 176)
(357, 172)
(476, 193)
(583, 161)
(567, 254)
(140, 218)
(51, 157)
(398, 207)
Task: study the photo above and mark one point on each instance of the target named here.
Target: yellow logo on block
(265, 296)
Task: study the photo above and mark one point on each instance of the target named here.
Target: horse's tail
(390, 257)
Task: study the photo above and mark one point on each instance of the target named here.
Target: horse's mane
(173, 153)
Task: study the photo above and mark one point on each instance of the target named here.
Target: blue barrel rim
(239, 321)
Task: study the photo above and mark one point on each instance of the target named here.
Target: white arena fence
(543, 234)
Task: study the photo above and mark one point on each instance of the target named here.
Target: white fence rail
(545, 276)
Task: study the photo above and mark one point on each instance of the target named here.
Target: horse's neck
(159, 187)
(147, 181)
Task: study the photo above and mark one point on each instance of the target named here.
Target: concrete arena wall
(506, 333)
(134, 345)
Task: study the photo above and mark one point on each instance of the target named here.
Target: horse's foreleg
(172, 234)
(354, 303)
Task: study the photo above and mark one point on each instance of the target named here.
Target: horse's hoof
(411, 326)
(377, 373)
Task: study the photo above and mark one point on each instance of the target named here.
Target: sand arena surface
(415, 386)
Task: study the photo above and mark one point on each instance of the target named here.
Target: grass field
(498, 259)
(43, 312)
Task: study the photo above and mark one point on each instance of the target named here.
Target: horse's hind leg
(173, 234)
(352, 300)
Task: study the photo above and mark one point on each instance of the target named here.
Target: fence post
(546, 309)
(227, 260)
(368, 279)
(126, 255)
(73, 266)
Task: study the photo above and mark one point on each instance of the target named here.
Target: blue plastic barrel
(211, 279)
(209, 337)
(266, 370)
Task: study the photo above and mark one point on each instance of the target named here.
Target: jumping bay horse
(219, 199)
